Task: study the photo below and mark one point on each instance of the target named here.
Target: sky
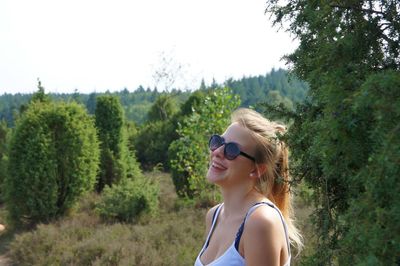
(99, 45)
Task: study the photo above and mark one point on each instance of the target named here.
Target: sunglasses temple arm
(248, 156)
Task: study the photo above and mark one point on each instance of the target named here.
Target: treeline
(55, 147)
(275, 86)
(57, 152)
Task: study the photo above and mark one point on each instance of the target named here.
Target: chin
(214, 176)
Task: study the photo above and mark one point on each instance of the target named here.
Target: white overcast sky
(95, 45)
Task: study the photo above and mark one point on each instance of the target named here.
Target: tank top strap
(249, 212)
(214, 221)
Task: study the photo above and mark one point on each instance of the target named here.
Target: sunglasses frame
(225, 148)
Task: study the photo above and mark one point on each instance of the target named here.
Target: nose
(219, 152)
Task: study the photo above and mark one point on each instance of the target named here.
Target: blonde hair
(274, 183)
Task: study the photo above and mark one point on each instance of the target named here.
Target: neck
(237, 200)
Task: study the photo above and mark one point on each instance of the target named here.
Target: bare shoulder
(263, 237)
(209, 215)
(264, 218)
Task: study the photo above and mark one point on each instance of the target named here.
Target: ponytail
(280, 188)
(274, 183)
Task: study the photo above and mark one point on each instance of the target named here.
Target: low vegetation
(129, 200)
(173, 237)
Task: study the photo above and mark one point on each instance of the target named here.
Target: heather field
(173, 237)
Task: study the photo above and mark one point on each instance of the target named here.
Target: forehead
(240, 135)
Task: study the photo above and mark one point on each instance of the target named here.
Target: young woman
(253, 225)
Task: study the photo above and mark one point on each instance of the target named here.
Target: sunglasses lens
(231, 151)
(215, 142)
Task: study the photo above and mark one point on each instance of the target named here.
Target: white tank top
(231, 256)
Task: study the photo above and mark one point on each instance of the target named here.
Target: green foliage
(253, 90)
(374, 212)
(137, 104)
(155, 137)
(344, 138)
(157, 134)
(153, 141)
(91, 103)
(53, 159)
(40, 95)
(129, 200)
(275, 98)
(138, 112)
(4, 139)
(174, 240)
(163, 108)
(113, 140)
(133, 167)
(192, 103)
(189, 154)
(173, 237)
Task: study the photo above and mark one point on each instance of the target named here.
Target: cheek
(240, 170)
(237, 171)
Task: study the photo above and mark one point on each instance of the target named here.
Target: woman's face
(226, 172)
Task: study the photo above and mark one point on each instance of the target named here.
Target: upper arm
(262, 239)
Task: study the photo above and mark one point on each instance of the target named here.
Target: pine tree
(113, 141)
(345, 137)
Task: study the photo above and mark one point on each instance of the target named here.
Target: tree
(163, 108)
(153, 141)
(189, 153)
(192, 103)
(342, 143)
(158, 133)
(202, 84)
(113, 143)
(40, 95)
(275, 98)
(53, 159)
(91, 103)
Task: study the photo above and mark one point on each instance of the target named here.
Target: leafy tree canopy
(342, 144)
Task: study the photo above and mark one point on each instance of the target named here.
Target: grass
(6, 236)
(173, 237)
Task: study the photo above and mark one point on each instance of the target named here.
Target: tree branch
(371, 11)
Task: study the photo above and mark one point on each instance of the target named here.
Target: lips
(218, 166)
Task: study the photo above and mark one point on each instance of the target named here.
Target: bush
(157, 134)
(129, 200)
(113, 140)
(189, 154)
(53, 160)
(153, 141)
(173, 237)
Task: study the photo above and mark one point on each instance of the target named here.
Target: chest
(222, 238)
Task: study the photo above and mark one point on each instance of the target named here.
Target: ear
(259, 170)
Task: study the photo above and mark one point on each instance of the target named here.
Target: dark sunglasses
(231, 149)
